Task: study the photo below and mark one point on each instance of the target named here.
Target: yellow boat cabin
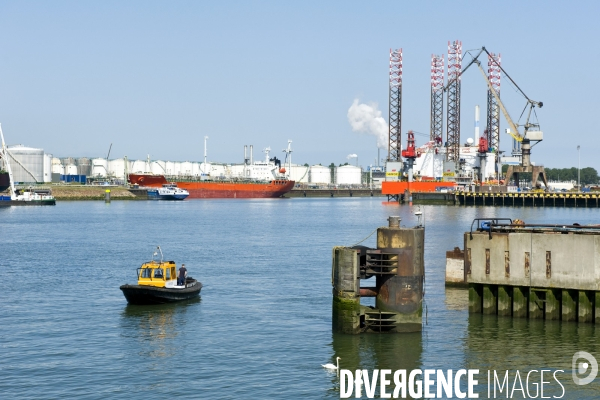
(158, 274)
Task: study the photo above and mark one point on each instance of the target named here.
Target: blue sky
(155, 77)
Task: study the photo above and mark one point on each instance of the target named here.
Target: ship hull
(220, 190)
(148, 295)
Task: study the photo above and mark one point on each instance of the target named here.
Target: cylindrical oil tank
(139, 167)
(68, 160)
(298, 173)
(84, 166)
(196, 169)
(58, 169)
(186, 168)
(116, 168)
(99, 168)
(70, 169)
(170, 168)
(56, 161)
(400, 287)
(158, 167)
(348, 175)
(319, 174)
(215, 170)
(176, 168)
(48, 168)
(31, 169)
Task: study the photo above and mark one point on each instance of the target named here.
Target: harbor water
(262, 327)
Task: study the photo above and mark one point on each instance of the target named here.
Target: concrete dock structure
(533, 271)
(397, 265)
(529, 199)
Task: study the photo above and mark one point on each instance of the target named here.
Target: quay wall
(550, 260)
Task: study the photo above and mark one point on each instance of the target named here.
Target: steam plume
(366, 118)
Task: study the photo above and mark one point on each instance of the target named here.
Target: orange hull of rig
(395, 188)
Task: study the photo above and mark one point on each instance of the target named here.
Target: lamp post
(578, 169)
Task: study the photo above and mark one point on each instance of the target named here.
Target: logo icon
(580, 368)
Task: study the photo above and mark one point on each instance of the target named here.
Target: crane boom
(514, 132)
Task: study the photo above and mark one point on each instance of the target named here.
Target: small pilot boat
(157, 284)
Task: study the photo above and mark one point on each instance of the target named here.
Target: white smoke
(366, 118)
(351, 156)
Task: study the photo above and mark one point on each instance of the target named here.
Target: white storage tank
(348, 175)
(68, 160)
(177, 168)
(170, 168)
(195, 169)
(158, 167)
(186, 168)
(298, 173)
(31, 159)
(71, 169)
(138, 167)
(58, 169)
(84, 166)
(99, 168)
(48, 168)
(116, 168)
(319, 174)
(215, 170)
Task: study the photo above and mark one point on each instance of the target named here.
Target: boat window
(168, 273)
(146, 273)
(158, 273)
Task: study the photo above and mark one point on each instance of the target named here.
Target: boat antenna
(158, 250)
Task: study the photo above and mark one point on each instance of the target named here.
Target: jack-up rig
(446, 164)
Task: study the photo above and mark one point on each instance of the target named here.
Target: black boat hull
(28, 203)
(147, 295)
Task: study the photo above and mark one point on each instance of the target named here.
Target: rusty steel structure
(453, 101)
(437, 99)
(397, 266)
(395, 106)
(493, 108)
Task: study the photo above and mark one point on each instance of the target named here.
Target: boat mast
(13, 193)
(205, 139)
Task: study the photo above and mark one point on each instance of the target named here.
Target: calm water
(263, 325)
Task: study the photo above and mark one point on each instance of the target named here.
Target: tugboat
(168, 191)
(157, 284)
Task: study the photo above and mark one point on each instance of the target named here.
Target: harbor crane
(531, 130)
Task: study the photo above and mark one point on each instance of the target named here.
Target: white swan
(331, 366)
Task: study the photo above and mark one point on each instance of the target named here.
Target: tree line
(589, 176)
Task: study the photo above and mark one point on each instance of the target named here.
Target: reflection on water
(457, 299)
(155, 328)
(504, 343)
(377, 351)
